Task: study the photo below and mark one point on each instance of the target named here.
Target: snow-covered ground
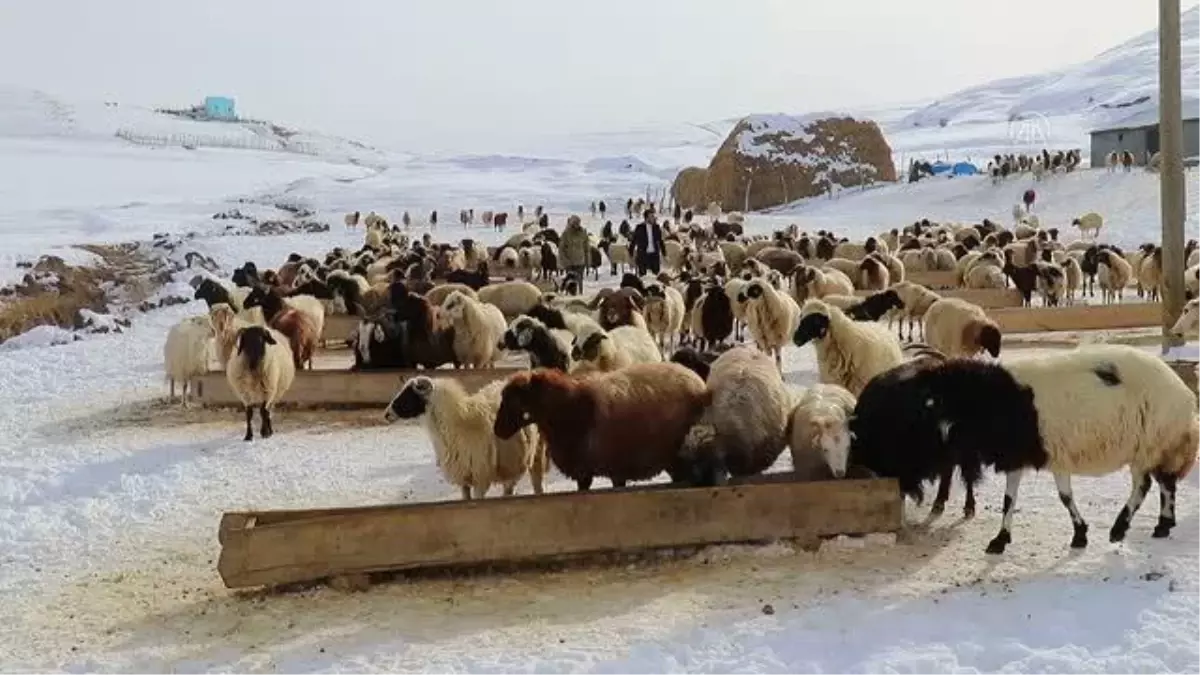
(110, 498)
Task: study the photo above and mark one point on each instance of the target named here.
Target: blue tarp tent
(940, 168)
(965, 169)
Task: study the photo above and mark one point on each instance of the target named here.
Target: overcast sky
(448, 74)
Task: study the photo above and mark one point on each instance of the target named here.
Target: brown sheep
(624, 425)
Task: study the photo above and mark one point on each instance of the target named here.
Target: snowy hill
(1119, 81)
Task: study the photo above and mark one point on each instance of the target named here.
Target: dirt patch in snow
(55, 293)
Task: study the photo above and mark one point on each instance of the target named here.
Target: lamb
(771, 316)
(664, 314)
(1150, 274)
(625, 425)
(818, 432)
(917, 300)
(185, 353)
(957, 327)
(547, 348)
(1189, 320)
(742, 431)
(1089, 224)
(478, 329)
(460, 426)
(513, 298)
(1025, 415)
(849, 353)
(617, 348)
(260, 372)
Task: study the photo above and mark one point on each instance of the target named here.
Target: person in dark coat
(603, 208)
(648, 244)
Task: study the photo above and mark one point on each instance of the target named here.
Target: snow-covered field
(110, 498)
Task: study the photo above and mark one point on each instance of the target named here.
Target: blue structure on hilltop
(965, 169)
(219, 108)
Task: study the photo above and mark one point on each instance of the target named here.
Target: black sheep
(532, 336)
(716, 317)
(695, 360)
(476, 280)
(875, 306)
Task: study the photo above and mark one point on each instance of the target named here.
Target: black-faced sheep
(742, 432)
(957, 327)
(626, 425)
(1025, 415)
(875, 306)
(547, 347)
(213, 292)
(849, 353)
(302, 331)
(459, 425)
(260, 372)
(772, 317)
(617, 348)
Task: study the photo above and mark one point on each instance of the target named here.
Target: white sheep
(610, 350)
(226, 324)
(846, 267)
(513, 298)
(1113, 275)
(742, 430)
(917, 300)
(459, 425)
(818, 432)
(849, 353)
(185, 353)
(959, 328)
(771, 316)
(813, 282)
(664, 314)
(260, 371)
(478, 329)
(1189, 320)
(1089, 224)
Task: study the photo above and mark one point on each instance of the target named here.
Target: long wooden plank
(933, 280)
(344, 389)
(1077, 317)
(339, 327)
(258, 552)
(987, 298)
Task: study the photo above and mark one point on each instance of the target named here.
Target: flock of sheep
(649, 377)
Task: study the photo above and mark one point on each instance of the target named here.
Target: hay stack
(782, 159)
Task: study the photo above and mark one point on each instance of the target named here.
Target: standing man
(573, 248)
(648, 244)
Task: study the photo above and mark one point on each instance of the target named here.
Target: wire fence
(192, 141)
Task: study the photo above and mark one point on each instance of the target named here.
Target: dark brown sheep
(624, 425)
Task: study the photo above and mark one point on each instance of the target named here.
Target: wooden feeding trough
(1077, 317)
(270, 548)
(345, 389)
(339, 327)
(987, 298)
(936, 281)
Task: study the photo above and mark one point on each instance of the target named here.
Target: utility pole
(1171, 192)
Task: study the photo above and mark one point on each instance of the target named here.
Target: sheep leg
(618, 482)
(480, 491)
(943, 494)
(171, 397)
(969, 506)
(266, 430)
(1141, 486)
(1166, 510)
(583, 484)
(249, 422)
(1067, 497)
(466, 492)
(1004, 536)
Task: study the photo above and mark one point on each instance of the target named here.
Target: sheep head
(984, 334)
(832, 436)
(814, 323)
(522, 397)
(590, 348)
(252, 343)
(411, 401)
